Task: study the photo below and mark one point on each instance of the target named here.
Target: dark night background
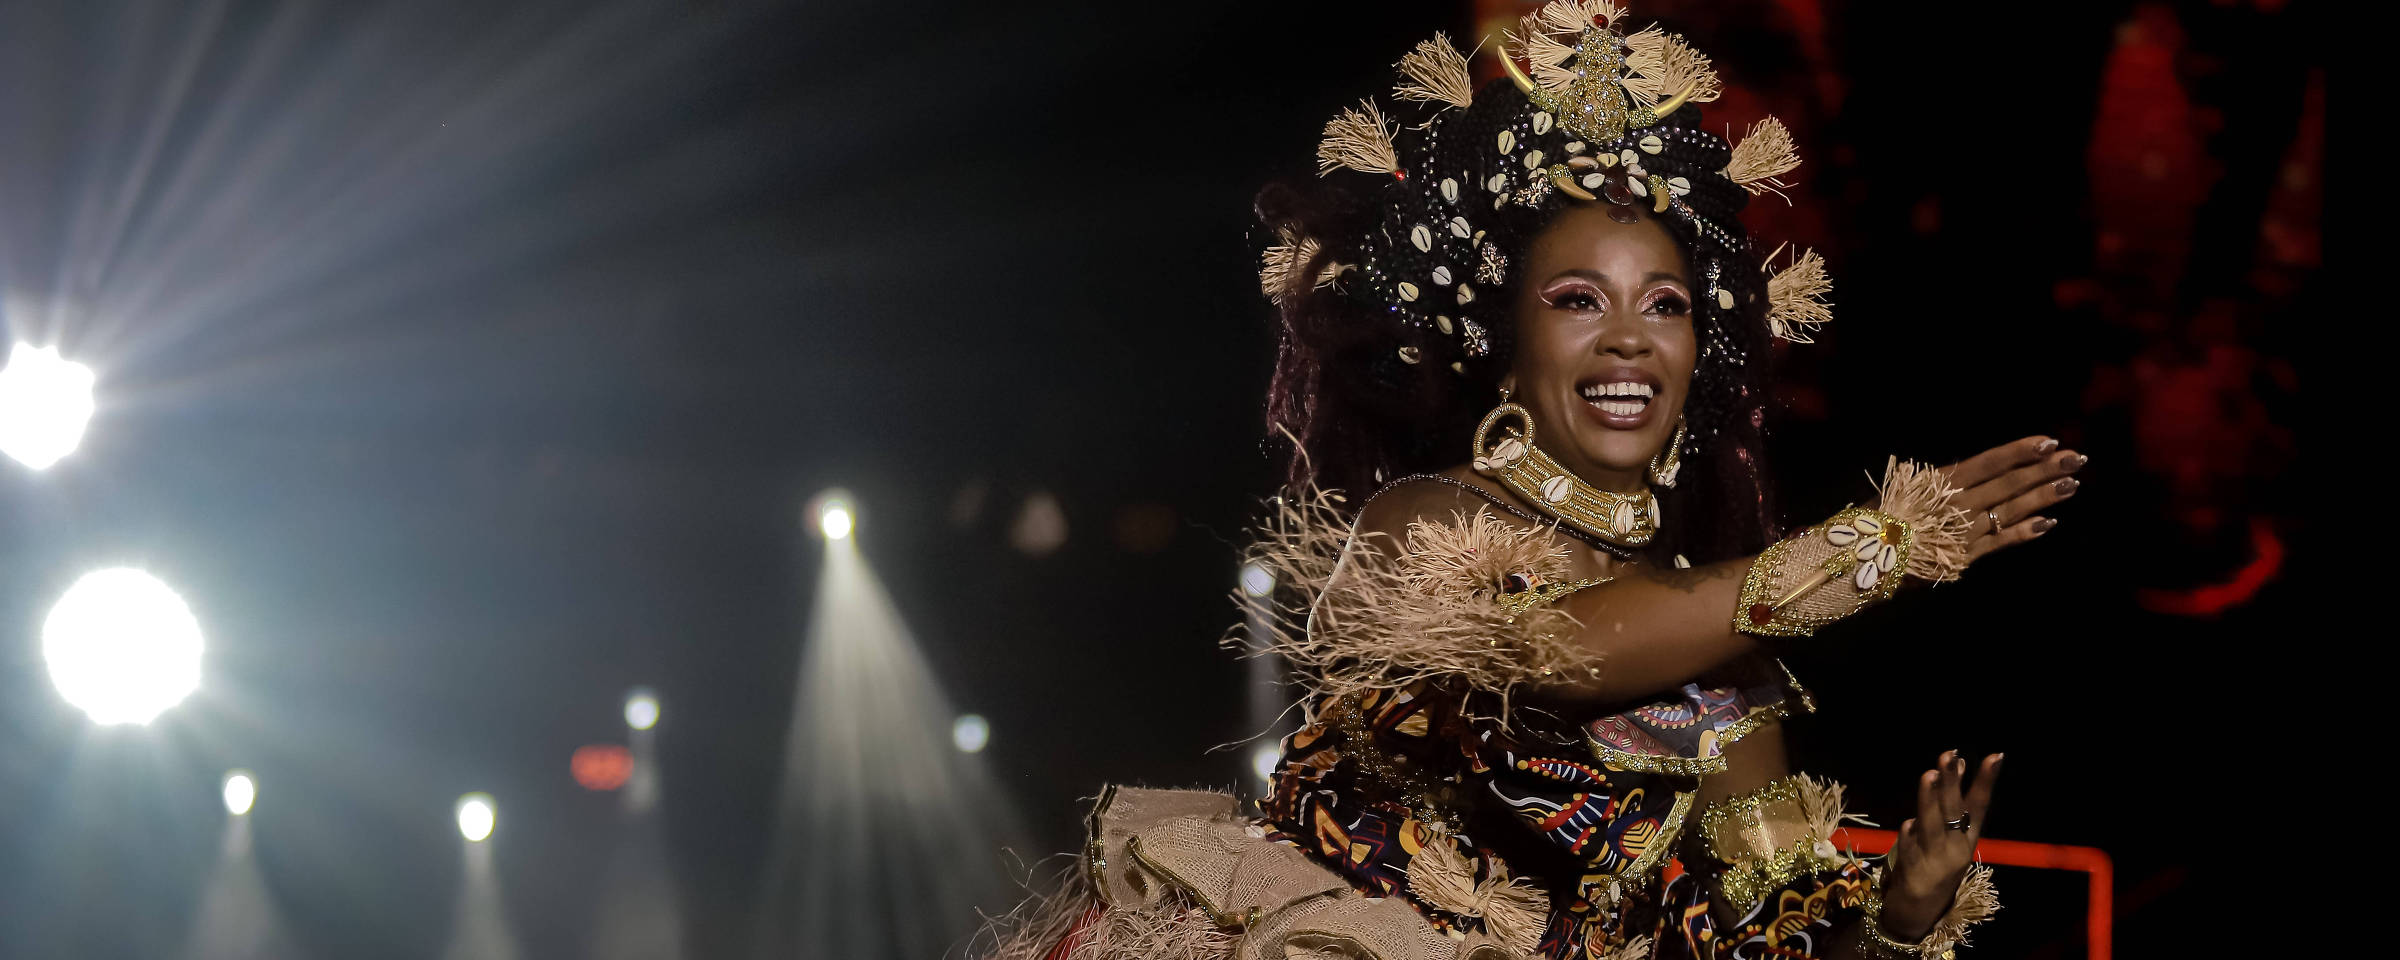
(466, 364)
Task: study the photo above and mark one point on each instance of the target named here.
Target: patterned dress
(1599, 814)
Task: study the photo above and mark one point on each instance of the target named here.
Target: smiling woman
(1543, 703)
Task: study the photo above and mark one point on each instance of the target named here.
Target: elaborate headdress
(1591, 112)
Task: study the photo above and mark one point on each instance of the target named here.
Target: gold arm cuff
(1824, 573)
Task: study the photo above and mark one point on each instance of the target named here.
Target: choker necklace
(1624, 519)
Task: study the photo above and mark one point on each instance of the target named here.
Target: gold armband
(1774, 835)
(1839, 567)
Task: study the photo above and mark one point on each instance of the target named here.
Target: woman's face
(1605, 346)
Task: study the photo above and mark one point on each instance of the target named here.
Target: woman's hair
(1364, 393)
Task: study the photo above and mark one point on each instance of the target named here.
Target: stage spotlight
(1256, 581)
(240, 792)
(45, 401)
(476, 817)
(833, 517)
(970, 733)
(641, 709)
(1265, 758)
(122, 646)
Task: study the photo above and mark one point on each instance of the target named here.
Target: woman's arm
(1655, 628)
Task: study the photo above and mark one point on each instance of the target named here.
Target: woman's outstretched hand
(1934, 848)
(2006, 488)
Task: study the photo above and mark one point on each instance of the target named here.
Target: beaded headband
(1600, 116)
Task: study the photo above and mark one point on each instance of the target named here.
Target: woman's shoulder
(1443, 496)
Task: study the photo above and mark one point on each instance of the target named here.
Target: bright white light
(1264, 759)
(641, 709)
(45, 401)
(240, 792)
(122, 646)
(476, 817)
(1256, 581)
(970, 733)
(834, 518)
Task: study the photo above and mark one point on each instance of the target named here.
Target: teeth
(1619, 408)
(1619, 388)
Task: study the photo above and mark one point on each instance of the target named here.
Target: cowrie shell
(1889, 558)
(1627, 156)
(1443, 323)
(1623, 520)
(1868, 573)
(1679, 186)
(1508, 451)
(1724, 298)
(1541, 121)
(1408, 291)
(1607, 159)
(1441, 275)
(1533, 159)
(1582, 163)
(1574, 146)
(1557, 489)
(1508, 141)
(1460, 228)
(1635, 184)
(1410, 355)
(1652, 145)
(1868, 525)
(1450, 189)
(1841, 535)
(1422, 236)
(1500, 201)
(1592, 181)
(1869, 549)
(1497, 183)
(1466, 294)
(1458, 367)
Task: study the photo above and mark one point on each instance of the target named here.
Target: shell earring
(1668, 462)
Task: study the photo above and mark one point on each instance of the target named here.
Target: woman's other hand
(1934, 848)
(2006, 488)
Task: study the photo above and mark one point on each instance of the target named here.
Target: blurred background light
(1263, 759)
(1256, 581)
(45, 401)
(240, 792)
(602, 766)
(122, 646)
(970, 733)
(834, 518)
(476, 817)
(641, 709)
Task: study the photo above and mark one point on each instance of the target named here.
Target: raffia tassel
(1764, 154)
(1282, 271)
(1360, 140)
(1821, 804)
(1400, 613)
(1436, 72)
(1976, 901)
(1637, 948)
(1919, 495)
(1571, 16)
(1545, 55)
(1669, 67)
(1511, 910)
(1796, 304)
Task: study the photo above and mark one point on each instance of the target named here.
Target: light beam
(122, 646)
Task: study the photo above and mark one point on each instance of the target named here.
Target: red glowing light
(602, 766)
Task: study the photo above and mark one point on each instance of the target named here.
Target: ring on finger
(1959, 824)
(1993, 514)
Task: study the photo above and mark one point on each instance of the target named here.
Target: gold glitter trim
(1751, 873)
(1682, 766)
(1624, 519)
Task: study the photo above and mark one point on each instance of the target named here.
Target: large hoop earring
(1665, 464)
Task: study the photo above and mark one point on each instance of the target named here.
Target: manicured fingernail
(1958, 766)
(2043, 525)
(2066, 486)
(1996, 758)
(2046, 446)
(2073, 462)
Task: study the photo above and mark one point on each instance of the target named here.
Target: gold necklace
(1625, 519)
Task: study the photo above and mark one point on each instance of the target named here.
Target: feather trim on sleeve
(1387, 615)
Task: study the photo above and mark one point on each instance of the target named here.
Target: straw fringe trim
(1796, 304)
(1360, 139)
(1436, 72)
